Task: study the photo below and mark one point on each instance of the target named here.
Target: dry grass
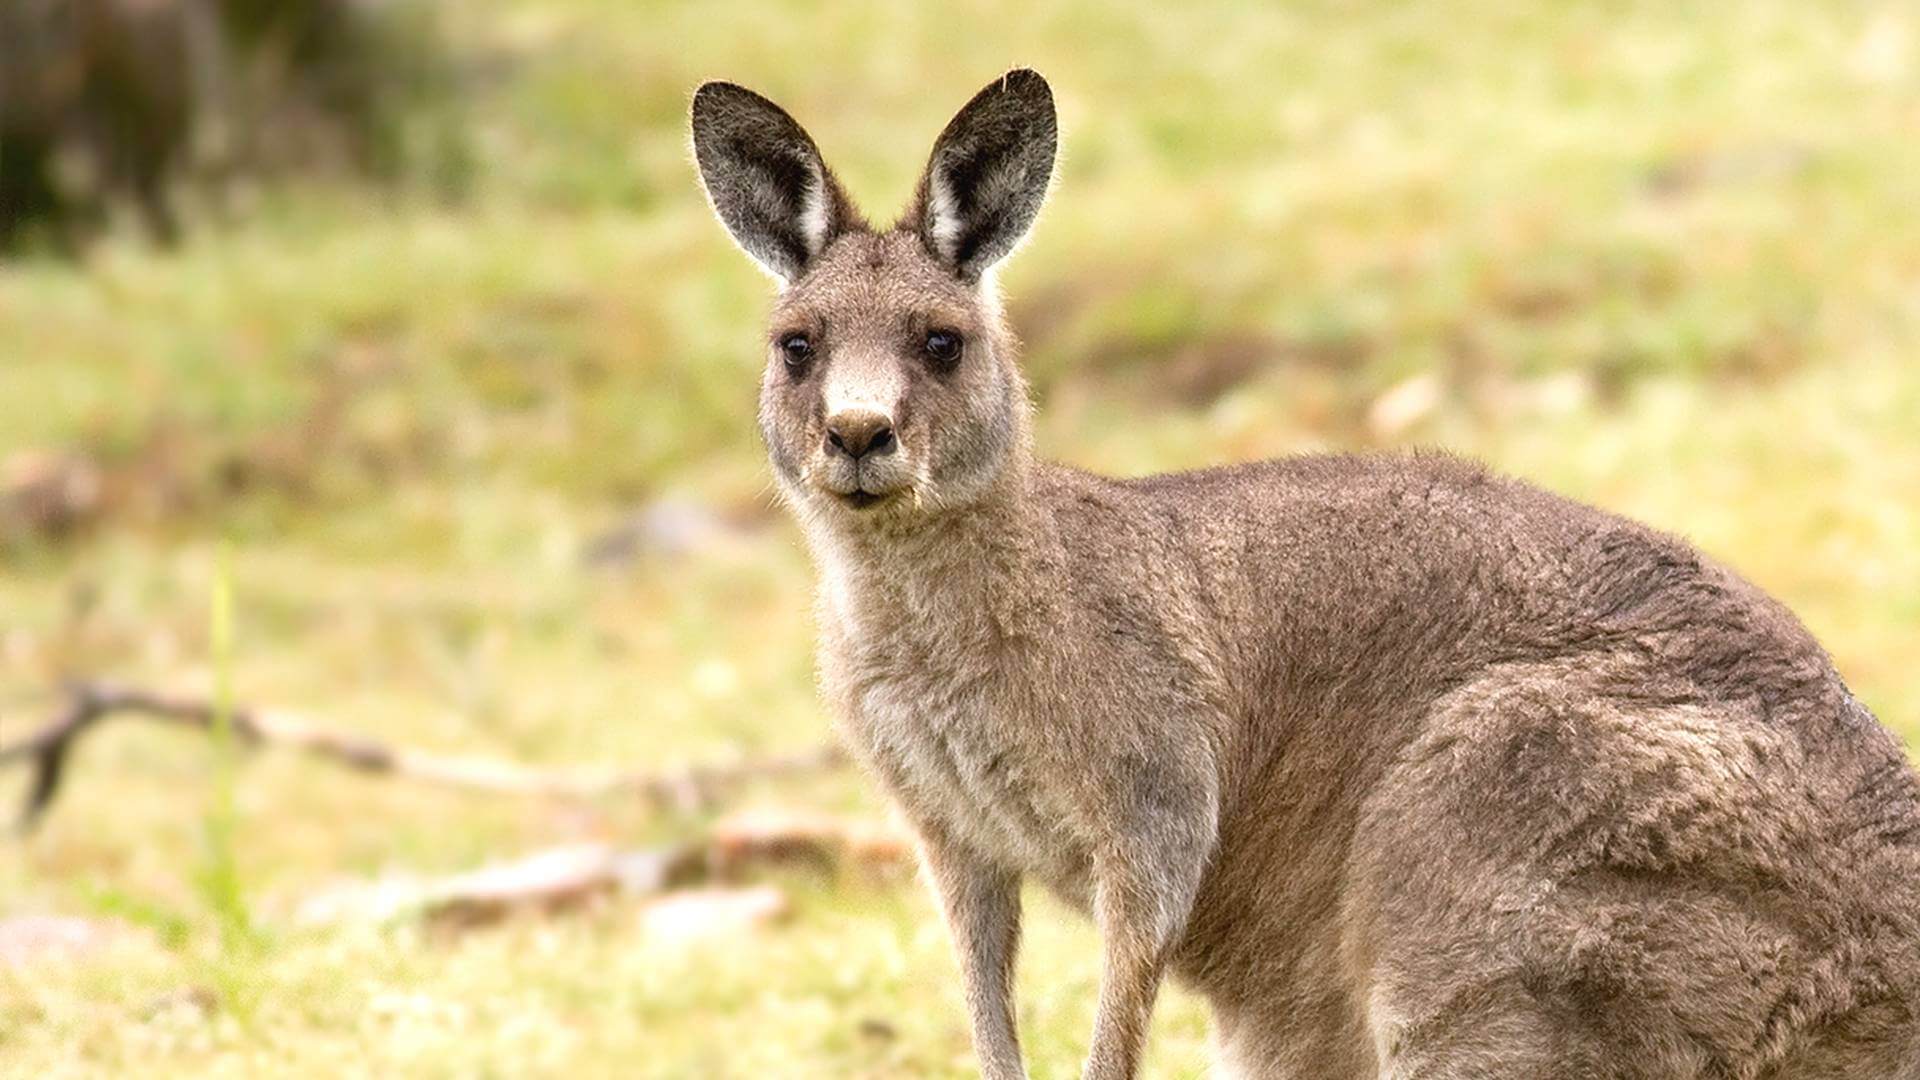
(1658, 256)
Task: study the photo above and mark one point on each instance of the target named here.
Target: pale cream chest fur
(955, 724)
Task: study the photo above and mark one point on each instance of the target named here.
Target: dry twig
(88, 703)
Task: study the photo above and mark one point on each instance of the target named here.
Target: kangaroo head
(891, 392)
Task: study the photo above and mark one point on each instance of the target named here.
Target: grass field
(1658, 256)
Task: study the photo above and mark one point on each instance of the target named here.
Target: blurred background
(381, 361)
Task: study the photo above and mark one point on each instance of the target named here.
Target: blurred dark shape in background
(107, 104)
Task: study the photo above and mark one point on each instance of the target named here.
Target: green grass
(1658, 256)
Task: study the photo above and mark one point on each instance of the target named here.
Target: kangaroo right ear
(989, 174)
(766, 179)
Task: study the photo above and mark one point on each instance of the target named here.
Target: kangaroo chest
(958, 754)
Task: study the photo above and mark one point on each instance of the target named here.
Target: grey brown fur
(1409, 769)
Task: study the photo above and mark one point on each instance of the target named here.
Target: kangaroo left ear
(989, 174)
(766, 179)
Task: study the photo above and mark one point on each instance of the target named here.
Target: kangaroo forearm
(981, 904)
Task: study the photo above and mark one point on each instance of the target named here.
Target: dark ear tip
(1027, 84)
(718, 94)
(1025, 80)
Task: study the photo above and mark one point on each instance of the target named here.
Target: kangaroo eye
(944, 347)
(797, 350)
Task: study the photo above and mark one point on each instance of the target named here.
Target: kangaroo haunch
(1410, 769)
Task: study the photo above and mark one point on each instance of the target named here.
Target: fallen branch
(731, 853)
(551, 880)
(88, 703)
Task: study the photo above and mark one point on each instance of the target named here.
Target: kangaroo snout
(859, 434)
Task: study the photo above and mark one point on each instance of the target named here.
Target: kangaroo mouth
(858, 487)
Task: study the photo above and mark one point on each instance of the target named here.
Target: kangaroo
(1407, 768)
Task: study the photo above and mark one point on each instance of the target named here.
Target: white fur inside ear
(943, 217)
(813, 224)
(816, 214)
(995, 192)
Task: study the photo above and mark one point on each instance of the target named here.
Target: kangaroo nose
(859, 434)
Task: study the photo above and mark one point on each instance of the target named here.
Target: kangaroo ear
(989, 174)
(766, 179)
